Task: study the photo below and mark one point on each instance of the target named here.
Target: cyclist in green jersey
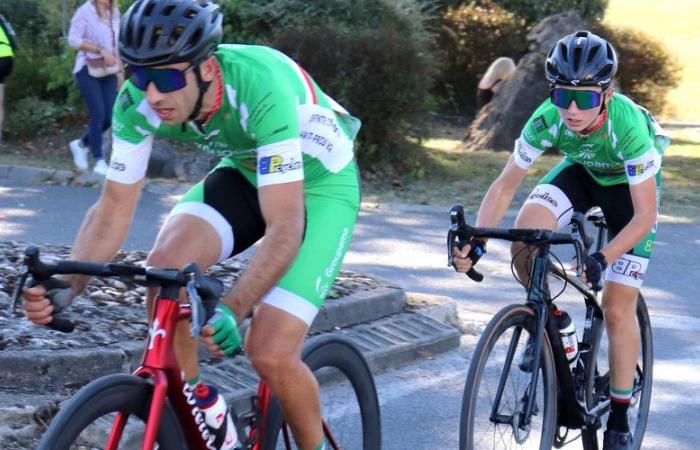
(287, 173)
(613, 150)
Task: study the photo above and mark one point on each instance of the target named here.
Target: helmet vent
(196, 37)
(154, 37)
(605, 71)
(148, 9)
(565, 52)
(592, 52)
(175, 35)
(190, 13)
(577, 58)
(168, 10)
(140, 35)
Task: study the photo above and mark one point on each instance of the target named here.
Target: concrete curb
(39, 369)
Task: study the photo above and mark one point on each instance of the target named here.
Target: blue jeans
(99, 95)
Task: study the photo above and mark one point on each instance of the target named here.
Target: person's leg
(550, 206)
(184, 239)
(108, 87)
(619, 306)
(280, 323)
(274, 345)
(92, 94)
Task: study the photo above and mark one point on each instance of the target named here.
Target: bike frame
(573, 410)
(160, 366)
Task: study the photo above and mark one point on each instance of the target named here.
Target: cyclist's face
(176, 106)
(579, 119)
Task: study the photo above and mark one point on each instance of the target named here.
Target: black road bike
(510, 402)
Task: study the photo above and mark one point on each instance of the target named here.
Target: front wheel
(349, 404)
(500, 364)
(86, 419)
(598, 383)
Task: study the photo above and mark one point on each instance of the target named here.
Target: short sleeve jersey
(275, 124)
(626, 149)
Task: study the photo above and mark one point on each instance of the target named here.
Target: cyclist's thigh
(561, 192)
(616, 204)
(331, 213)
(228, 204)
(275, 334)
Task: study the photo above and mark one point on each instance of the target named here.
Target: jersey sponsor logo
(277, 164)
(317, 139)
(634, 170)
(628, 268)
(125, 100)
(544, 196)
(587, 151)
(116, 165)
(522, 154)
(539, 124)
(323, 282)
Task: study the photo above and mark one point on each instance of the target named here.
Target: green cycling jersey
(627, 149)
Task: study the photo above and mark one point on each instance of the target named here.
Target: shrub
(372, 56)
(32, 115)
(534, 11)
(648, 71)
(470, 38)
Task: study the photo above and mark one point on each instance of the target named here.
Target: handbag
(97, 67)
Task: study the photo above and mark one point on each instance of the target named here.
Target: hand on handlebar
(594, 266)
(465, 259)
(46, 299)
(221, 335)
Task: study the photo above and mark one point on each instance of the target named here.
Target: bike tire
(336, 352)
(509, 317)
(592, 438)
(110, 394)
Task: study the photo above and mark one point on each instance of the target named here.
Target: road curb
(386, 343)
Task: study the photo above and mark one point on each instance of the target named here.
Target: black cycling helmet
(581, 59)
(161, 32)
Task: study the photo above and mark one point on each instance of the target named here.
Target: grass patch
(674, 24)
(451, 175)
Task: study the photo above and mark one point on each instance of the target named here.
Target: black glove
(595, 265)
(477, 251)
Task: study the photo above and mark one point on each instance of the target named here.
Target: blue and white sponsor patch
(280, 163)
(643, 167)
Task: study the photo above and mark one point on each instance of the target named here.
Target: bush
(372, 56)
(533, 11)
(31, 115)
(471, 37)
(648, 71)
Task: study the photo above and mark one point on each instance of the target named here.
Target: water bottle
(567, 331)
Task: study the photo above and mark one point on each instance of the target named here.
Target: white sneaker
(79, 154)
(100, 167)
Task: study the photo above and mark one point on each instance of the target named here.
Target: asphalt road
(406, 245)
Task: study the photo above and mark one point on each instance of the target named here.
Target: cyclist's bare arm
(105, 226)
(645, 211)
(100, 237)
(282, 208)
(500, 195)
(494, 206)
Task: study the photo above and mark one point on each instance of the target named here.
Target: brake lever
(17, 294)
(196, 306)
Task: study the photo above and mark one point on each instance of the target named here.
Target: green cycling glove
(225, 327)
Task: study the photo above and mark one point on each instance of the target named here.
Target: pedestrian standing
(94, 32)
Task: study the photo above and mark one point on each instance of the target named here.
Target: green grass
(676, 25)
(453, 175)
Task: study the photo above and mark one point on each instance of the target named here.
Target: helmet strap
(203, 86)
